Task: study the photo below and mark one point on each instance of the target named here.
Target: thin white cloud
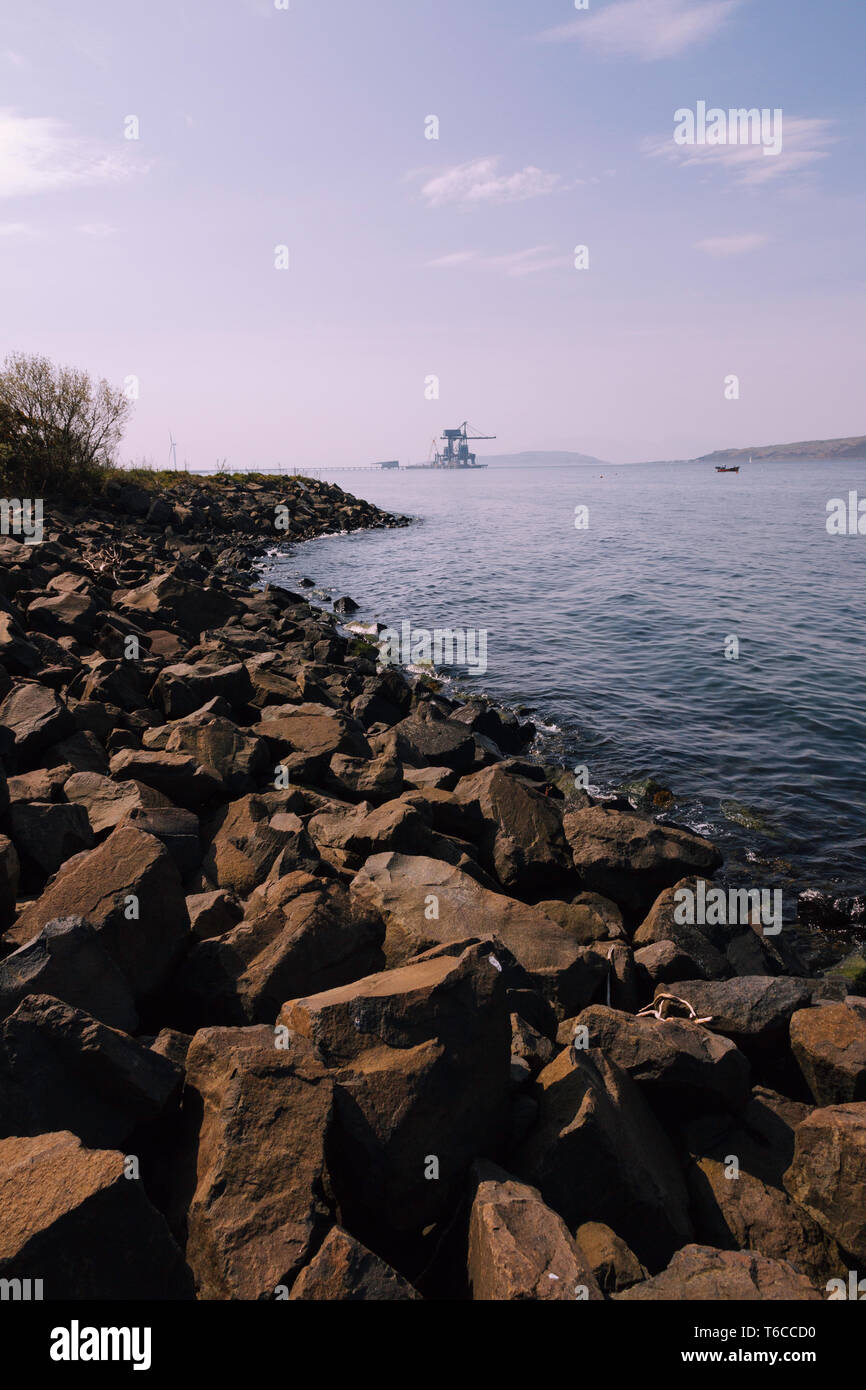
(732, 245)
(804, 141)
(20, 231)
(479, 181)
(14, 60)
(100, 231)
(512, 263)
(39, 154)
(645, 29)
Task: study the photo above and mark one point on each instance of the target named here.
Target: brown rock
(631, 858)
(106, 801)
(36, 717)
(700, 1273)
(259, 1203)
(46, 834)
(598, 1153)
(828, 1173)
(176, 775)
(522, 841)
(345, 1271)
(70, 1217)
(248, 841)
(421, 1057)
(67, 961)
(239, 760)
(673, 1060)
(613, 1264)
(406, 890)
(519, 1249)
(702, 946)
(10, 874)
(213, 914)
(290, 943)
(829, 1044)
(130, 873)
(62, 1069)
(589, 917)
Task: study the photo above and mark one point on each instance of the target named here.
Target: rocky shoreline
(313, 985)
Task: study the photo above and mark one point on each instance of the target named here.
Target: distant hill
(554, 457)
(853, 448)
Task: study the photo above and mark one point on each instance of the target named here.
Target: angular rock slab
(345, 1271)
(69, 1217)
(98, 886)
(67, 960)
(421, 1056)
(262, 1115)
(613, 1264)
(405, 890)
(701, 1273)
(828, 1173)
(61, 1069)
(632, 858)
(598, 1153)
(829, 1044)
(672, 1059)
(519, 1249)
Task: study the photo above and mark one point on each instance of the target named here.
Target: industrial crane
(456, 453)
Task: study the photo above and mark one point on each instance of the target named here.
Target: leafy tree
(59, 429)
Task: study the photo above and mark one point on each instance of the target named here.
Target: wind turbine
(172, 451)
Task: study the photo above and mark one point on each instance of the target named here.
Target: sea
(655, 621)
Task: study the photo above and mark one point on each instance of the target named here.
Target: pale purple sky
(409, 257)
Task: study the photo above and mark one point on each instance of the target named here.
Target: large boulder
(312, 732)
(130, 892)
(297, 938)
(519, 1249)
(421, 1059)
(736, 1210)
(46, 834)
(362, 831)
(427, 736)
(239, 760)
(828, 1173)
(345, 1271)
(178, 776)
(424, 902)
(749, 1009)
(522, 841)
(248, 839)
(613, 1264)
(261, 1116)
(189, 606)
(597, 1153)
(67, 960)
(181, 689)
(36, 717)
(702, 947)
(829, 1044)
(63, 615)
(62, 1069)
(69, 1216)
(677, 1063)
(701, 1273)
(632, 858)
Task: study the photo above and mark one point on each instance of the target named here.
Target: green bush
(59, 429)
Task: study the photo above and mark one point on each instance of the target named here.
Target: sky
(283, 268)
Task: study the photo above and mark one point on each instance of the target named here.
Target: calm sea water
(615, 635)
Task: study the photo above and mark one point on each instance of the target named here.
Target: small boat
(720, 468)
